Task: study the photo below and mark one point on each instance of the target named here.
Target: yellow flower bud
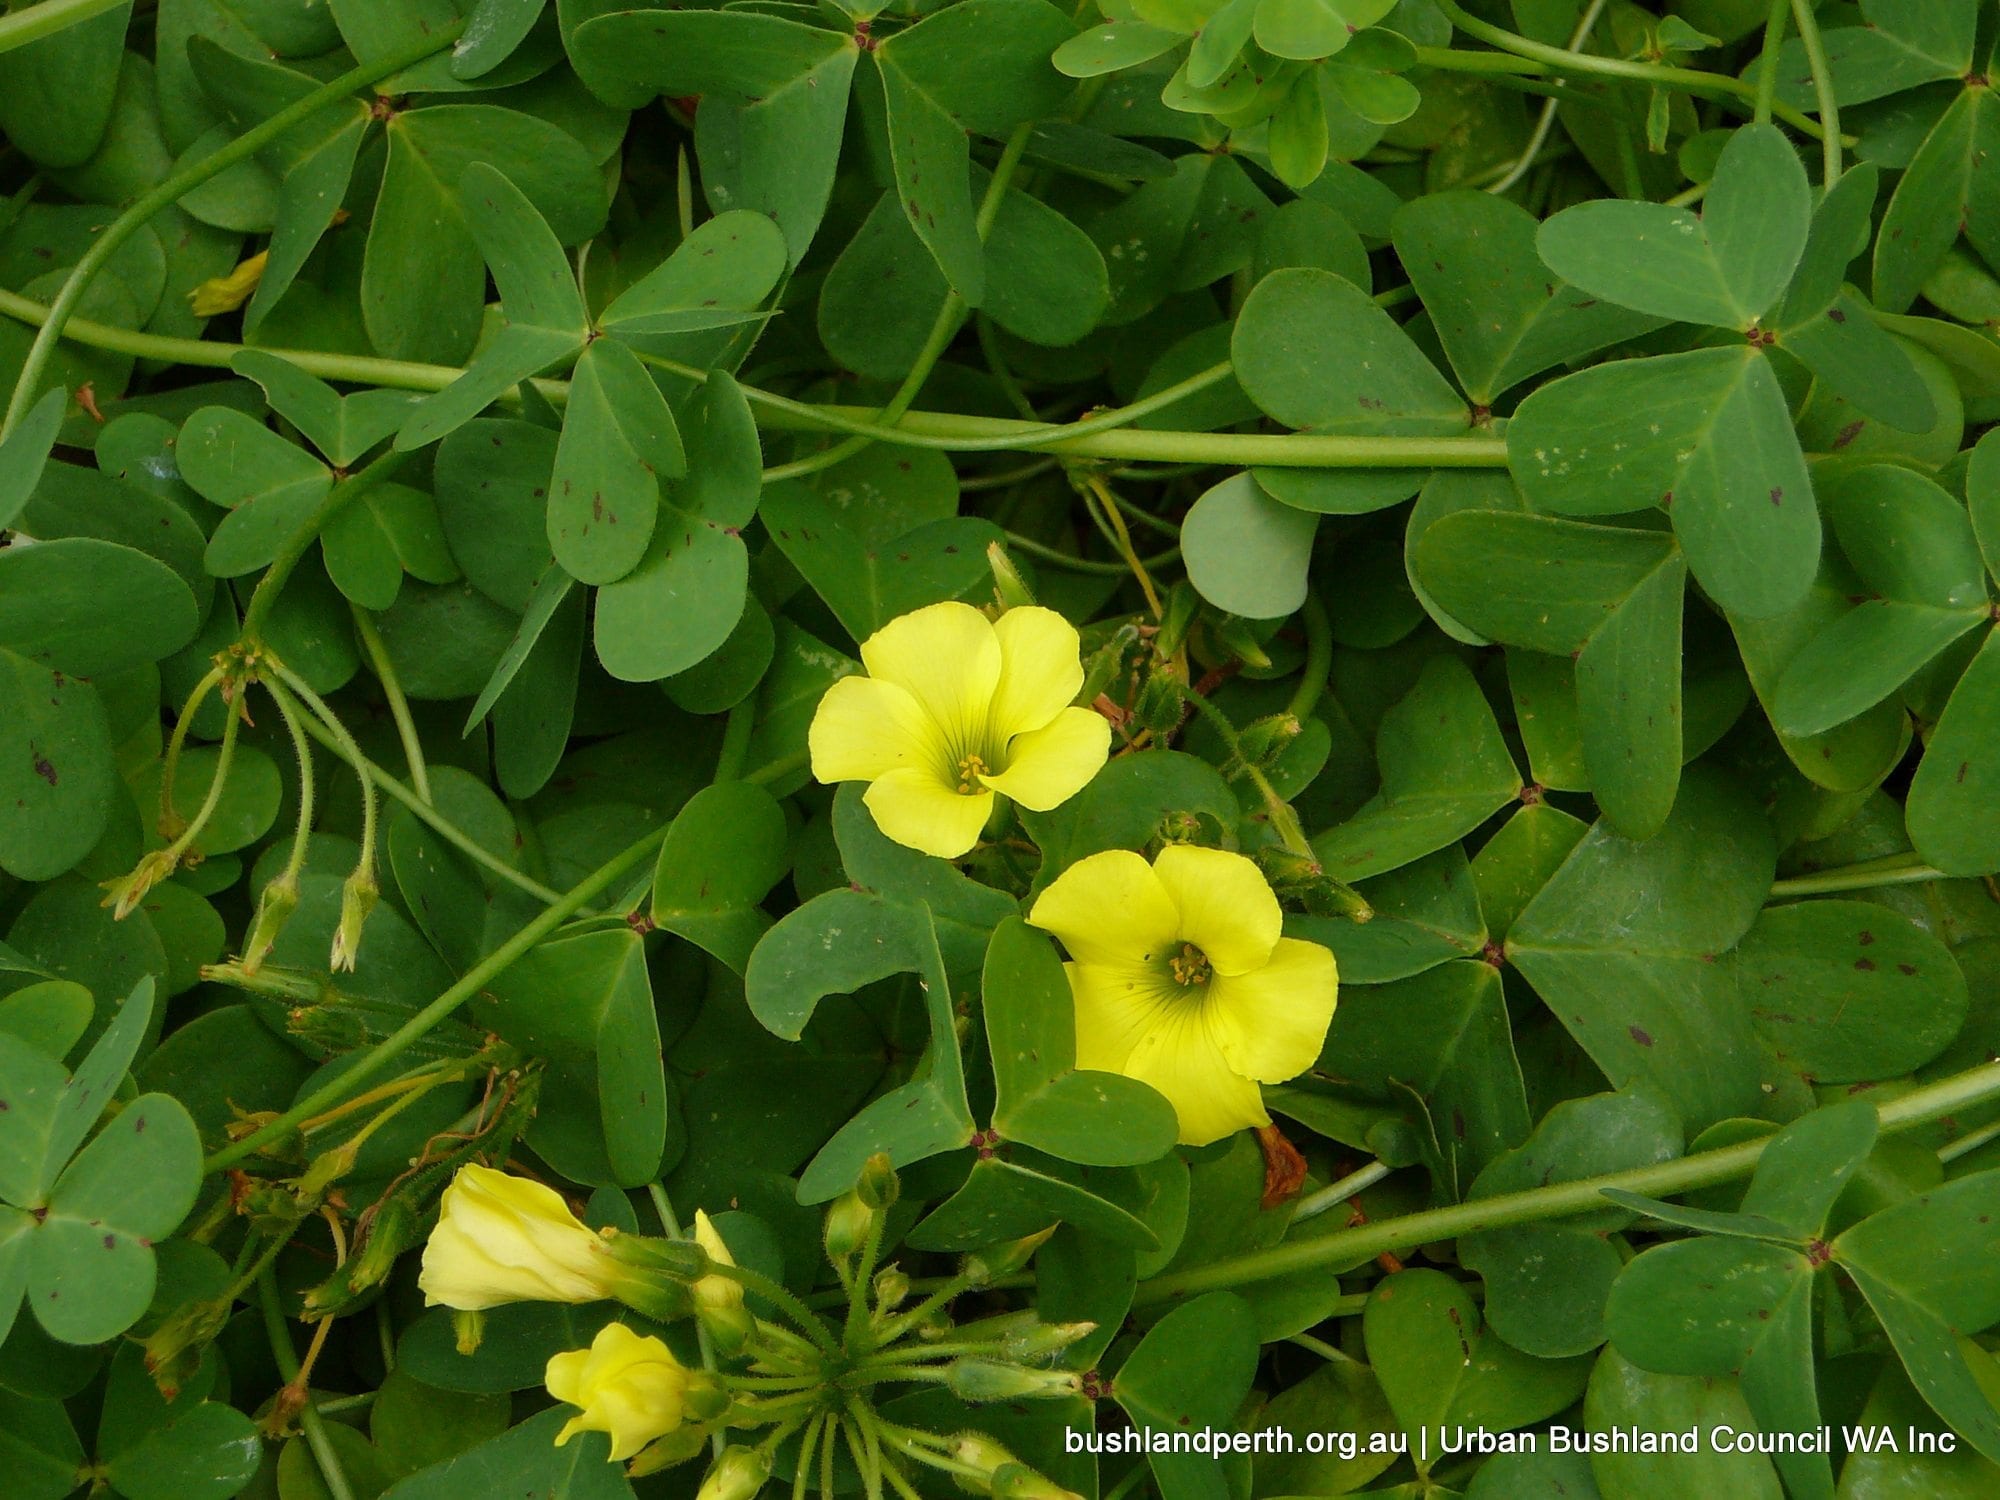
(505, 1239)
(978, 1452)
(627, 1385)
(226, 293)
(718, 1300)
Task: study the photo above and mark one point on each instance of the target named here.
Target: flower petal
(1117, 1007)
(1226, 906)
(1109, 908)
(947, 657)
(1048, 766)
(1182, 1059)
(1041, 669)
(1271, 1022)
(916, 808)
(864, 729)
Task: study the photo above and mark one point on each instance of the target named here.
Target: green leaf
(1315, 352)
(1920, 1265)
(1546, 1283)
(1440, 1367)
(1707, 436)
(1041, 1099)
(619, 441)
(1899, 47)
(25, 451)
(524, 1458)
(585, 1003)
(1954, 802)
(1727, 265)
(1426, 913)
(343, 428)
(545, 320)
(1247, 553)
(1500, 314)
(716, 277)
(1620, 944)
(1191, 1370)
(1846, 348)
(1445, 770)
(269, 485)
(1622, 1395)
(728, 846)
(89, 607)
(1607, 598)
(56, 769)
(1941, 195)
(1112, 48)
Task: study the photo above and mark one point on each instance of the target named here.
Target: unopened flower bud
(1019, 1482)
(174, 1349)
(1160, 704)
(1042, 1340)
(984, 1267)
(879, 1186)
(892, 1288)
(1008, 584)
(325, 1170)
(718, 1299)
(737, 1475)
(127, 891)
(275, 905)
(980, 1453)
(847, 1223)
(979, 1380)
(468, 1329)
(391, 1230)
(1263, 740)
(1183, 604)
(357, 899)
(678, 1446)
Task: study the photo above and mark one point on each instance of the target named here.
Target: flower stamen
(970, 769)
(1190, 966)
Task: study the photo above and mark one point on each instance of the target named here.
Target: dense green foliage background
(1519, 472)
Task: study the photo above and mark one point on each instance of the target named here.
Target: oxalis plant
(1214, 751)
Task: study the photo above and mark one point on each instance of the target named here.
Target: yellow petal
(917, 808)
(1226, 906)
(864, 729)
(1182, 1059)
(1109, 908)
(1271, 1022)
(1041, 669)
(1117, 1006)
(947, 657)
(1050, 765)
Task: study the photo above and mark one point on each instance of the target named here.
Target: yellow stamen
(1190, 966)
(970, 769)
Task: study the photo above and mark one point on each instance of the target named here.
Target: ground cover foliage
(1519, 473)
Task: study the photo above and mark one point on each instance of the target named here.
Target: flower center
(1190, 966)
(970, 769)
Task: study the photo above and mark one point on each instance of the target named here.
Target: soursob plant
(1145, 750)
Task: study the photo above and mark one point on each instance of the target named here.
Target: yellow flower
(628, 1385)
(718, 1300)
(1184, 981)
(505, 1239)
(956, 707)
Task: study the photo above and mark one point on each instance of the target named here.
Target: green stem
(349, 750)
(288, 1366)
(447, 830)
(1529, 56)
(1336, 1193)
(170, 825)
(431, 1016)
(1094, 437)
(1283, 820)
(1767, 68)
(1823, 92)
(399, 706)
(1319, 658)
(1547, 119)
(810, 1323)
(48, 18)
(1892, 869)
(1558, 1200)
(670, 1223)
(265, 596)
(1073, 564)
(736, 732)
(179, 184)
(294, 719)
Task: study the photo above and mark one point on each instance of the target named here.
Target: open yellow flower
(1184, 980)
(956, 708)
(628, 1385)
(501, 1238)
